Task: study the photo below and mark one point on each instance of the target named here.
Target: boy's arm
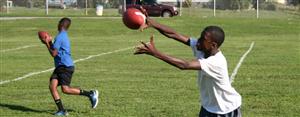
(150, 49)
(53, 52)
(176, 62)
(167, 31)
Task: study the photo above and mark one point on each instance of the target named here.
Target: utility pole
(86, 4)
(7, 9)
(257, 6)
(46, 6)
(124, 5)
(180, 7)
(214, 8)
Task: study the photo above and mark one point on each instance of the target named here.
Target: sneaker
(94, 98)
(61, 113)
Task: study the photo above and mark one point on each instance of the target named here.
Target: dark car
(153, 8)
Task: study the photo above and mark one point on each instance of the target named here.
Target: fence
(198, 8)
(58, 8)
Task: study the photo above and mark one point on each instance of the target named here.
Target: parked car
(154, 9)
(59, 4)
(56, 4)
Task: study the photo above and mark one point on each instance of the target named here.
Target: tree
(240, 4)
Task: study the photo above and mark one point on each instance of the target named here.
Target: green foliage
(240, 4)
(187, 3)
(268, 6)
(2, 3)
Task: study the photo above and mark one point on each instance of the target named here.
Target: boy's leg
(75, 91)
(53, 89)
(65, 77)
(54, 82)
(92, 95)
(70, 90)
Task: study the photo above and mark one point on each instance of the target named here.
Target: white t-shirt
(217, 94)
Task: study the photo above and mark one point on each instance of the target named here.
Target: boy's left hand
(146, 48)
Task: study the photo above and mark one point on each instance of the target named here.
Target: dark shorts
(234, 113)
(63, 74)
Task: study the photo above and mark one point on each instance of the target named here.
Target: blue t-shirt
(62, 45)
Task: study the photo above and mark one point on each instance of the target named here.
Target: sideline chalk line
(51, 69)
(240, 63)
(22, 47)
(119, 50)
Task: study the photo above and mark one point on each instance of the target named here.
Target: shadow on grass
(27, 109)
(23, 108)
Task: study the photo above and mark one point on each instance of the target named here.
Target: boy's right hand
(44, 37)
(49, 39)
(147, 22)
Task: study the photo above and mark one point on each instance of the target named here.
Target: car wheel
(166, 14)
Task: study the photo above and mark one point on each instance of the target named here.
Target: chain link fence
(113, 8)
(243, 8)
(59, 8)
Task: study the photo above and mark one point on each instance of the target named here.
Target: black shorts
(234, 113)
(63, 74)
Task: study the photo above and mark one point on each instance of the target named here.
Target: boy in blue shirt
(64, 68)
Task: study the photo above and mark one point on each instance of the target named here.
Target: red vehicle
(153, 8)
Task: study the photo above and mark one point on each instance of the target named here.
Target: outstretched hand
(143, 11)
(146, 24)
(146, 48)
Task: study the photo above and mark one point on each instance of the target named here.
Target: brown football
(43, 36)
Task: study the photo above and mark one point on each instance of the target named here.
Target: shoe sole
(65, 114)
(97, 94)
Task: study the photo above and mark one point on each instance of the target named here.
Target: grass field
(141, 86)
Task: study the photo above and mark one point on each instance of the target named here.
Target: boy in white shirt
(218, 97)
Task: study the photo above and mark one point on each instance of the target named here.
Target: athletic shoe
(94, 98)
(61, 113)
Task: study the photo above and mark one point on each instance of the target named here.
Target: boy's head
(211, 39)
(64, 24)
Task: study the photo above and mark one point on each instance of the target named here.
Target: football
(44, 36)
(133, 18)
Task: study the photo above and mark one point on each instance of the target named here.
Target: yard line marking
(51, 69)
(23, 47)
(240, 63)
(92, 56)
(101, 54)
(26, 76)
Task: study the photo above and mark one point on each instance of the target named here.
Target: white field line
(18, 48)
(233, 74)
(101, 54)
(51, 69)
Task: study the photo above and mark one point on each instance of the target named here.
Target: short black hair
(65, 23)
(216, 32)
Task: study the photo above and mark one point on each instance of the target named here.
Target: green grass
(142, 86)
(208, 13)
